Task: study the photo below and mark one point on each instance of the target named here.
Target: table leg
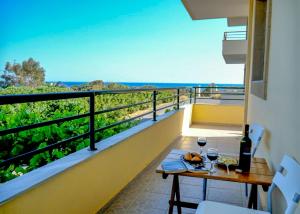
(252, 203)
(172, 199)
(204, 188)
(175, 198)
(246, 189)
(177, 193)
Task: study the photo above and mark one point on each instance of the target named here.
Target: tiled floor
(149, 193)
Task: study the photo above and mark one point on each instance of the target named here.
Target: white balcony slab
(237, 21)
(234, 51)
(212, 9)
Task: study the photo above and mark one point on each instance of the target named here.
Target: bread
(196, 158)
(195, 154)
(188, 156)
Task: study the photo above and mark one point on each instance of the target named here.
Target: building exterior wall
(218, 114)
(88, 186)
(279, 113)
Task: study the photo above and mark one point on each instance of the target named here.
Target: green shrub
(16, 115)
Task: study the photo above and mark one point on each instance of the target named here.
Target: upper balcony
(234, 48)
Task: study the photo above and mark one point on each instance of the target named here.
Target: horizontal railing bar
(184, 100)
(182, 94)
(164, 98)
(209, 98)
(122, 107)
(134, 90)
(25, 98)
(223, 87)
(229, 93)
(121, 122)
(236, 34)
(37, 151)
(237, 31)
(167, 89)
(41, 124)
(168, 106)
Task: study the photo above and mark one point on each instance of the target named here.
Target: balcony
(234, 48)
(96, 179)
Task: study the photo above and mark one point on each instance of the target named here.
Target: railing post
(92, 122)
(154, 104)
(191, 96)
(195, 95)
(178, 98)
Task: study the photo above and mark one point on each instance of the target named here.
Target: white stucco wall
(280, 112)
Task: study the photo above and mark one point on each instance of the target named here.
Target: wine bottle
(245, 152)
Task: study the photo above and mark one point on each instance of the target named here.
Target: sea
(156, 84)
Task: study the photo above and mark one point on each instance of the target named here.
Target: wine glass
(212, 154)
(201, 142)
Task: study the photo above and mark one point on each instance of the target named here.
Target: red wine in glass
(201, 142)
(212, 155)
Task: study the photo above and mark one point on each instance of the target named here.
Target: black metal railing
(218, 93)
(29, 98)
(181, 96)
(235, 35)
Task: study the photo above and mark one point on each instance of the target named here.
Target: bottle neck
(246, 130)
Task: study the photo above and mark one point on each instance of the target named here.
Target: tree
(116, 86)
(29, 73)
(96, 85)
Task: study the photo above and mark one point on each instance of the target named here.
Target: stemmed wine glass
(212, 155)
(201, 142)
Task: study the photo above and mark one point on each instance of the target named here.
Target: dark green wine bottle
(245, 151)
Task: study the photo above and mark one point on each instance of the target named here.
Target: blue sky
(119, 40)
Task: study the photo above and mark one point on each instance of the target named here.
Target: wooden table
(259, 174)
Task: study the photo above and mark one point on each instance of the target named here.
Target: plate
(232, 162)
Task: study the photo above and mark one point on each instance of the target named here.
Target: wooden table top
(260, 173)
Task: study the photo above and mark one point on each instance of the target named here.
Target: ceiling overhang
(212, 9)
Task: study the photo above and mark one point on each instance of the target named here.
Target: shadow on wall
(265, 147)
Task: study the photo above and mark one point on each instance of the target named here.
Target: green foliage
(29, 73)
(29, 113)
(94, 85)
